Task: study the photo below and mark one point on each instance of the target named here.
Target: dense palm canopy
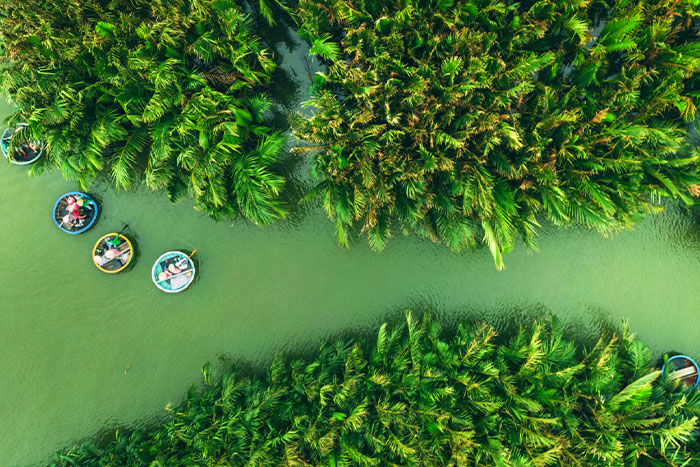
(414, 397)
(169, 88)
(470, 121)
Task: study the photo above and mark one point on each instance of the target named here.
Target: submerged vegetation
(413, 396)
(470, 121)
(171, 90)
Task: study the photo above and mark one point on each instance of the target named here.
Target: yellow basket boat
(112, 253)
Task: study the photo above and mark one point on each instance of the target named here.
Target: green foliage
(168, 91)
(469, 122)
(412, 397)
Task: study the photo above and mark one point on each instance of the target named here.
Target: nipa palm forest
(470, 123)
(466, 122)
(413, 396)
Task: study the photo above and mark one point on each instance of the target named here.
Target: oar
(109, 242)
(189, 256)
(63, 221)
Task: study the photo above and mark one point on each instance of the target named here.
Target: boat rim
(94, 218)
(12, 159)
(94, 252)
(157, 261)
(697, 369)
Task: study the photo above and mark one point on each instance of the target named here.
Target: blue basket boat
(26, 154)
(173, 272)
(684, 369)
(75, 212)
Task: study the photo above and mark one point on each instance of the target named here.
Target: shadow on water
(197, 261)
(686, 234)
(94, 194)
(297, 186)
(135, 250)
(281, 33)
(107, 434)
(286, 91)
(508, 318)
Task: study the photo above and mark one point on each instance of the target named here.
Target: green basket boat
(173, 272)
(26, 153)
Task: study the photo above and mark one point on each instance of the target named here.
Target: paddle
(111, 242)
(189, 256)
(63, 221)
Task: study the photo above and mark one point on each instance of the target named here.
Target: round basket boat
(112, 253)
(685, 369)
(173, 272)
(75, 212)
(25, 154)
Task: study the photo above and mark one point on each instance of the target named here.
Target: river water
(83, 352)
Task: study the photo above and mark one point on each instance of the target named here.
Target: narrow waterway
(83, 351)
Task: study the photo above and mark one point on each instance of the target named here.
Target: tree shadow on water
(508, 318)
(284, 89)
(297, 187)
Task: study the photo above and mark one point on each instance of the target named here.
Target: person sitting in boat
(112, 253)
(163, 275)
(30, 150)
(71, 217)
(26, 151)
(107, 256)
(21, 153)
(73, 207)
(74, 204)
(168, 272)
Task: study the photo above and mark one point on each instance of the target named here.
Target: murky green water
(83, 351)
